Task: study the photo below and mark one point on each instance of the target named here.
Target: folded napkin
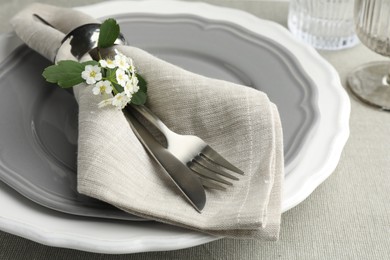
(237, 121)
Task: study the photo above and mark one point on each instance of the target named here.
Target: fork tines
(213, 169)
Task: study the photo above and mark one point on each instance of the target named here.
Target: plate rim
(307, 56)
(306, 106)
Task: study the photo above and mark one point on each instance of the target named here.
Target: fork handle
(188, 183)
(154, 120)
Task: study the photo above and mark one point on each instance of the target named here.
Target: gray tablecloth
(347, 217)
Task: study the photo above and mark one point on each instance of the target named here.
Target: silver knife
(82, 41)
(187, 182)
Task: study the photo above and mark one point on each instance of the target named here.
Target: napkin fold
(237, 121)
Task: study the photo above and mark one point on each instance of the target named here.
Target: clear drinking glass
(371, 82)
(324, 24)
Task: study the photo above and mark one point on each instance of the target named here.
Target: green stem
(100, 56)
(116, 90)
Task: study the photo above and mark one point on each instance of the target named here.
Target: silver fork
(187, 182)
(215, 172)
(190, 150)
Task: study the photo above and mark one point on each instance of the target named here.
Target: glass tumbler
(324, 24)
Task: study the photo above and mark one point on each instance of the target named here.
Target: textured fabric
(347, 217)
(237, 121)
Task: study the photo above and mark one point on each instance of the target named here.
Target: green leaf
(90, 62)
(109, 32)
(142, 83)
(65, 74)
(111, 75)
(138, 98)
(117, 88)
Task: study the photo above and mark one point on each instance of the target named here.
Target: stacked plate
(38, 124)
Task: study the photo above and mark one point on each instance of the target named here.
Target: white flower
(105, 102)
(107, 63)
(121, 77)
(120, 100)
(121, 61)
(134, 80)
(131, 86)
(91, 74)
(102, 87)
(132, 67)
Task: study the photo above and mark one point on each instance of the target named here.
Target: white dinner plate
(42, 164)
(317, 155)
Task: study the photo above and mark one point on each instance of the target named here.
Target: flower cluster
(113, 76)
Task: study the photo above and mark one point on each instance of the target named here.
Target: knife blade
(76, 44)
(187, 182)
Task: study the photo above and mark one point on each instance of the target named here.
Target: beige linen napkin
(237, 121)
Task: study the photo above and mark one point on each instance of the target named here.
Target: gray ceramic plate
(38, 121)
